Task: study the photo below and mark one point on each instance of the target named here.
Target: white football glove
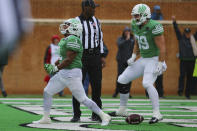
(131, 60)
(51, 69)
(161, 67)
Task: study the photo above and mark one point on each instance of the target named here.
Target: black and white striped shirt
(92, 36)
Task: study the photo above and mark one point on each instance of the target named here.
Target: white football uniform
(142, 67)
(71, 78)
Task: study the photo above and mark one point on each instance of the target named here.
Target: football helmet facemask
(140, 13)
(71, 26)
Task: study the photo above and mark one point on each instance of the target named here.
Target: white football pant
(143, 67)
(57, 83)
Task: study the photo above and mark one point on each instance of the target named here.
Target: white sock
(124, 99)
(92, 106)
(101, 114)
(46, 114)
(154, 97)
(47, 102)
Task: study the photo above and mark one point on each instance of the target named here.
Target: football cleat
(75, 119)
(120, 112)
(117, 113)
(105, 120)
(96, 118)
(43, 120)
(112, 113)
(156, 118)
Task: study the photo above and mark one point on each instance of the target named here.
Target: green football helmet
(71, 26)
(143, 13)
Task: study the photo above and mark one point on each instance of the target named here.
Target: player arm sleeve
(73, 46)
(157, 30)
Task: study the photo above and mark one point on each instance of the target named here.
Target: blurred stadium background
(25, 73)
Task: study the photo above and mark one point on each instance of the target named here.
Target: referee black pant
(92, 66)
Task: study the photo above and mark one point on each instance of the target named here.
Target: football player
(151, 47)
(68, 72)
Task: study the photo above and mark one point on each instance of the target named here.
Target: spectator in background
(157, 15)
(187, 59)
(3, 63)
(125, 45)
(193, 40)
(52, 55)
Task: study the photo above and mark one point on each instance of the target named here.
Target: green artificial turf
(12, 118)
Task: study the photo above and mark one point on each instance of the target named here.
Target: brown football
(134, 119)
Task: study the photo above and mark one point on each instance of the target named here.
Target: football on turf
(134, 119)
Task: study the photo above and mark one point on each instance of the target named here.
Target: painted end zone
(18, 114)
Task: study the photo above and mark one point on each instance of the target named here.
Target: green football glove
(50, 69)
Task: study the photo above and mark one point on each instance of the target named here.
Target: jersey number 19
(142, 42)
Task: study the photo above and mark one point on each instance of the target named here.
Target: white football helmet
(143, 11)
(71, 26)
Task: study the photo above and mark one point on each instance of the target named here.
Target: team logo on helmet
(140, 13)
(71, 26)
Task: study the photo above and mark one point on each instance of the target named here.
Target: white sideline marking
(39, 111)
(186, 125)
(130, 100)
(39, 107)
(87, 119)
(104, 104)
(68, 126)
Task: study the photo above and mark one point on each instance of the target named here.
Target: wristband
(55, 69)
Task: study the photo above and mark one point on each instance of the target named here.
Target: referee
(93, 55)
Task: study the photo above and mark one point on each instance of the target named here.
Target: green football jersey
(71, 43)
(145, 37)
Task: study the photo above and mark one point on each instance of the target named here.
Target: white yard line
(130, 100)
